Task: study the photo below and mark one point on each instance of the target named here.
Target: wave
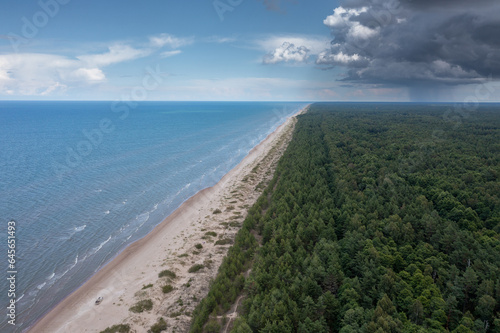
(80, 228)
(97, 248)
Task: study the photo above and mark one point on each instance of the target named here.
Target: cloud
(414, 42)
(170, 53)
(116, 53)
(43, 74)
(40, 74)
(286, 48)
(219, 39)
(286, 53)
(169, 41)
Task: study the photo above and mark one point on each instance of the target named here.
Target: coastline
(121, 280)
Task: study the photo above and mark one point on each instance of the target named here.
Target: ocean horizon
(83, 180)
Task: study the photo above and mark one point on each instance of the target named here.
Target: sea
(80, 181)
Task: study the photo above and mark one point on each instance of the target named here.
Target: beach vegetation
(224, 241)
(159, 326)
(141, 306)
(217, 211)
(121, 328)
(167, 273)
(198, 246)
(211, 233)
(147, 286)
(167, 288)
(195, 268)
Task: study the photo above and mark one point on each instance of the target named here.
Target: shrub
(198, 246)
(168, 273)
(160, 326)
(211, 233)
(122, 328)
(217, 211)
(166, 289)
(141, 306)
(224, 241)
(147, 286)
(195, 268)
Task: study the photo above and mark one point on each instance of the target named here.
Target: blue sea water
(82, 180)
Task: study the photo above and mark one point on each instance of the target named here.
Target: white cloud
(291, 48)
(42, 74)
(315, 44)
(219, 40)
(286, 53)
(170, 41)
(170, 53)
(88, 74)
(340, 57)
(117, 53)
(342, 18)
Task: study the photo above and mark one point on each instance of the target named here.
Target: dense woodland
(380, 218)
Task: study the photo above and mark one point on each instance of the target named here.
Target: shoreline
(119, 281)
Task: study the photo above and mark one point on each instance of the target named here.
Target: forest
(380, 218)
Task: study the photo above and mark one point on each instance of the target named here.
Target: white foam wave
(97, 248)
(40, 286)
(106, 212)
(80, 228)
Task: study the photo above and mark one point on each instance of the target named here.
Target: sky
(251, 50)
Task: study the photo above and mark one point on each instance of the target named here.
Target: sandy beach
(185, 238)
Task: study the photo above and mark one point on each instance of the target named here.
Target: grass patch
(166, 289)
(262, 185)
(188, 284)
(147, 286)
(198, 246)
(160, 326)
(167, 273)
(229, 208)
(122, 328)
(224, 241)
(142, 306)
(195, 268)
(183, 255)
(233, 202)
(211, 233)
(175, 314)
(217, 211)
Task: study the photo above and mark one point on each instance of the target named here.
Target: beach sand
(171, 245)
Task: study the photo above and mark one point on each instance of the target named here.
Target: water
(83, 180)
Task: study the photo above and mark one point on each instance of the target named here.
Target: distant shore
(176, 244)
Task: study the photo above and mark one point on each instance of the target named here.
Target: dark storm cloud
(413, 42)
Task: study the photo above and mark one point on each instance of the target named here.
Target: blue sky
(212, 50)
